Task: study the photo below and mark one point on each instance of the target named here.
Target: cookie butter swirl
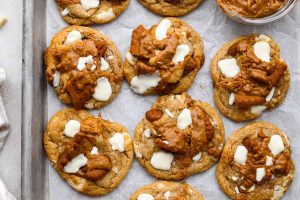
(252, 9)
(81, 156)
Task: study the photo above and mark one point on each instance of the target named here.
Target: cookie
(252, 9)
(164, 59)
(84, 66)
(256, 163)
(92, 154)
(249, 77)
(178, 137)
(171, 8)
(167, 190)
(87, 12)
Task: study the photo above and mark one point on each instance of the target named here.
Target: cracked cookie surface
(162, 190)
(171, 8)
(256, 163)
(249, 77)
(84, 66)
(92, 154)
(178, 137)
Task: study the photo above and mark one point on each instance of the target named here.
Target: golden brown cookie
(164, 59)
(92, 154)
(251, 9)
(87, 12)
(162, 190)
(178, 137)
(84, 66)
(171, 8)
(256, 163)
(249, 77)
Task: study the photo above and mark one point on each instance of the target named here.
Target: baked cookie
(251, 9)
(178, 137)
(92, 154)
(171, 8)
(162, 190)
(164, 59)
(256, 163)
(87, 12)
(84, 66)
(249, 77)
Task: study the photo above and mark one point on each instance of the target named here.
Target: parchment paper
(128, 108)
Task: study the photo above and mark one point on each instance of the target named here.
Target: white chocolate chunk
(165, 141)
(130, 58)
(147, 133)
(72, 128)
(75, 164)
(167, 195)
(237, 190)
(258, 109)
(234, 178)
(94, 151)
(262, 50)
(231, 99)
(56, 78)
(252, 188)
(138, 153)
(83, 61)
(270, 95)
(103, 90)
(278, 192)
(141, 83)
(168, 112)
(197, 157)
(110, 57)
(115, 170)
(240, 155)
(93, 67)
(3, 21)
(260, 173)
(243, 188)
(162, 160)
(89, 4)
(269, 161)
(145, 196)
(73, 36)
(276, 145)
(229, 67)
(106, 15)
(117, 142)
(181, 51)
(184, 119)
(104, 64)
(162, 29)
(263, 37)
(65, 12)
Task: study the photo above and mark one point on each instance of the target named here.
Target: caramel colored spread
(256, 158)
(79, 84)
(256, 77)
(188, 142)
(253, 8)
(156, 56)
(83, 142)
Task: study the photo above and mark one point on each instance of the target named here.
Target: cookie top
(171, 8)
(251, 9)
(92, 154)
(256, 163)
(162, 190)
(178, 137)
(84, 66)
(249, 77)
(87, 12)
(164, 59)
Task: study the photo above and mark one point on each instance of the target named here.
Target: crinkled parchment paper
(128, 108)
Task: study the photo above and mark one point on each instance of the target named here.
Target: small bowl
(286, 8)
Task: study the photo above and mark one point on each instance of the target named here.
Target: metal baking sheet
(42, 20)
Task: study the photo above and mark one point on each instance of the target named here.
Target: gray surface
(215, 29)
(11, 61)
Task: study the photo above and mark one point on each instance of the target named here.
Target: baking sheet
(128, 108)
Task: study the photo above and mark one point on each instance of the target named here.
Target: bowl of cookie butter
(256, 11)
